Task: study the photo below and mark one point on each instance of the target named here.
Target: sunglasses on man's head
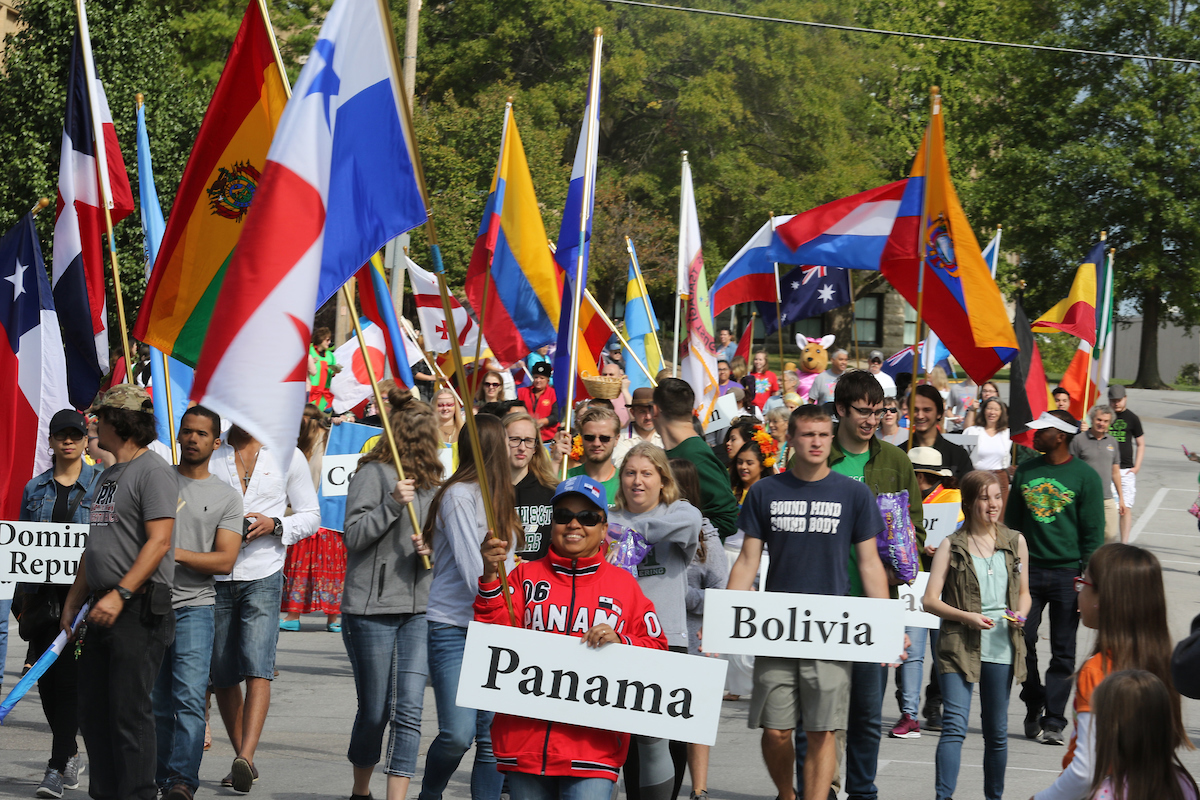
(587, 518)
(591, 437)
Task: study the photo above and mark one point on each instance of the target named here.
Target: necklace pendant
(989, 570)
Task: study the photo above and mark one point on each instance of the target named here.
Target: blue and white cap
(585, 487)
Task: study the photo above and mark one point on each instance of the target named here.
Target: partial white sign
(40, 552)
(915, 615)
(336, 472)
(723, 413)
(803, 626)
(615, 687)
(941, 520)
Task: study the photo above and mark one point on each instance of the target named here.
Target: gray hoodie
(674, 530)
(384, 574)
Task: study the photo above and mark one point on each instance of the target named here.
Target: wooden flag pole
(39, 205)
(451, 329)
(935, 99)
(778, 304)
(382, 407)
(612, 326)
(853, 317)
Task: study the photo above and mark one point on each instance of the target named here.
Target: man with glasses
(883, 467)
(641, 424)
(599, 428)
(1058, 503)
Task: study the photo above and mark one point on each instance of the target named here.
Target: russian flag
(78, 256)
(33, 371)
(339, 182)
(750, 275)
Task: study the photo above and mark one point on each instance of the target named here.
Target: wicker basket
(601, 387)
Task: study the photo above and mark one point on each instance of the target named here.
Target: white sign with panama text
(915, 615)
(814, 626)
(615, 687)
(39, 552)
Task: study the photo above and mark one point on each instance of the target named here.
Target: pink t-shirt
(1106, 790)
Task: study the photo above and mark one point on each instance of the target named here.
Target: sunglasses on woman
(587, 518)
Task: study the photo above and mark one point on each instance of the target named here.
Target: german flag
(1029, 393)
(218, 186)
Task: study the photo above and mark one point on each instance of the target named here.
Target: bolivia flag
(1076, 314)
(218, 184)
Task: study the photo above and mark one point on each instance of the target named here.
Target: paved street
(302, 754)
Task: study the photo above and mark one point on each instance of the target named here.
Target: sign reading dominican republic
(615, 687)
(941, 520)
(803, 626)
(41, 552)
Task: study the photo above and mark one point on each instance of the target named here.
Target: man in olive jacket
(885, 469)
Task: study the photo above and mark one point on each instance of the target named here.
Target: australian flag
(807, 292)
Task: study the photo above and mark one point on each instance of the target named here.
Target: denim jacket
(37, 502)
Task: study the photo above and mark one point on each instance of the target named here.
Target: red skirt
(314, 574)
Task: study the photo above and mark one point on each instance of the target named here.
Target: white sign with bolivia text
(803, 626)
(616, 687)
(941, 519)
(39, 552)
(915, 615)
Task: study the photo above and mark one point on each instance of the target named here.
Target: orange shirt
(1094, 670)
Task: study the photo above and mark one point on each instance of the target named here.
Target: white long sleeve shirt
(270, 492)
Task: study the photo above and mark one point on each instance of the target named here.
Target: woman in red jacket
(554, 759)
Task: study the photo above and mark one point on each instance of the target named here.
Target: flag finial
(1104, 236)
(683, 153)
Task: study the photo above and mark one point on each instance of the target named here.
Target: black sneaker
(1051, 736)
(1033, 724)
(933, 720)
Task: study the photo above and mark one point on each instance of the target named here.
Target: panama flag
(699, 363)
(339, 182)
(78, 257)
(33, 371)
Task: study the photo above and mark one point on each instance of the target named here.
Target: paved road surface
(302, 754)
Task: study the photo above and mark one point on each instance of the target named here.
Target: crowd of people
(189, 567)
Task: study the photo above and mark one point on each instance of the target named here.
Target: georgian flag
(428, 300)
(78, 259)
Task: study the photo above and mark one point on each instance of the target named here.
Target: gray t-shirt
(821, 391)
(204, 506)
(128, 496)
(1099, 454)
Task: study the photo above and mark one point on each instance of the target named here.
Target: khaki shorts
(1112, 521)
(791, 692)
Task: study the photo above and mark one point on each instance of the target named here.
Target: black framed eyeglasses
(521, 441)
(587, 517)
(868, 413)
(591, 437)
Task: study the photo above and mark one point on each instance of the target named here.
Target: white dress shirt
(270, 493)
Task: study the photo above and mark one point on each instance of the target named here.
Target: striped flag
(88, 138)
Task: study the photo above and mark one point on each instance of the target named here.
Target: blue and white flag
(991, 253)
(153, 226)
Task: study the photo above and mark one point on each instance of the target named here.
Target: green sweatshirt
(720, 507)
(1060, 509)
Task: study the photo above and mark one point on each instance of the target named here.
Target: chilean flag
(78, 256)
(33, 371)
(340, 181)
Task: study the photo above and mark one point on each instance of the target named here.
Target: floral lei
(577, 448)
(766, 445)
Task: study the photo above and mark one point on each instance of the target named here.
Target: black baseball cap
(68, 419)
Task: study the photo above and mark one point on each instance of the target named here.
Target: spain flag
(214, 196)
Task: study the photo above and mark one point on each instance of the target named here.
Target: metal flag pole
(935, 106)
(439, 269)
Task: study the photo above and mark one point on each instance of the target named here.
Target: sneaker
(1033, 724)
(71, 773)
(933, 720)
(906, 728)
(334, 627)
(178, 791)
(1051, 736)
(51, 785)
(289, 625)
(700, 795)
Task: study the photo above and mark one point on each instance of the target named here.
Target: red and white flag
(428, 300)
(699, 363)
(352, 385)
(339, 182)
(78, 257)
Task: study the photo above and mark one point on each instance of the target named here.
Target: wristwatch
(124, 593)
(278, 526)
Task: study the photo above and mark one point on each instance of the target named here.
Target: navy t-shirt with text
(809, 528)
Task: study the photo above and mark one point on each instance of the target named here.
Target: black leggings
(647, 774)
(59, 690)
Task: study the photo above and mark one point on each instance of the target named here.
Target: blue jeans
(995, 682)
(246, 630)
(388, 654)
(912, 671)
(524, 786)
(457, 727)
(1053, 589)
(178, 698)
